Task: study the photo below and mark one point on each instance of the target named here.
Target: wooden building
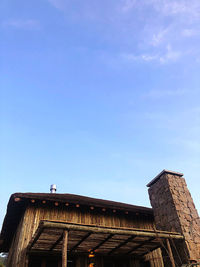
(54, 230)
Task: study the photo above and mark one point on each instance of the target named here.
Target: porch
(61, 244)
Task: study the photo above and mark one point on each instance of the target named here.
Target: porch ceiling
(100, 240)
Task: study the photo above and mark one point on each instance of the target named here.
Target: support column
(170, 253)
(64, 249)
(174, 211)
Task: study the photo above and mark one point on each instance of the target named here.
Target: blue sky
(99, 96)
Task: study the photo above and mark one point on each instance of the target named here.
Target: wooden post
(64, 249)
(170, 253)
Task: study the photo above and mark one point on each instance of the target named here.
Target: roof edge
(79, 199)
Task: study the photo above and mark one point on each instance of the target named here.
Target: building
(52, 230)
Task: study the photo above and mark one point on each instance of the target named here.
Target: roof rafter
(122, 244)
(141, 245)
(57, 242)
(81, 241)
(102, 242)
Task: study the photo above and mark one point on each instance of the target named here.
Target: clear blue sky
(99, 96)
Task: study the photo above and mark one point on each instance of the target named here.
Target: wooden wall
(33, 215)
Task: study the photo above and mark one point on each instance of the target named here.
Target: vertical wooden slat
(170, 253)
(26, 262)
(43, 263)
(64, 249)
(134, 262)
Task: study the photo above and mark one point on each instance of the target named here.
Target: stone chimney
(174, 211)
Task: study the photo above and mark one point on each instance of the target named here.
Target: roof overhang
(97, 239)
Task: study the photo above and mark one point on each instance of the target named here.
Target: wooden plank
(81, 241)
(64, 249)
(170, 253)
(122, 244)
(140, 245)
(44, 252)
(57, 242)
(102, 242)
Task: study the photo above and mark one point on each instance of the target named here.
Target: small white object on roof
(53, 188)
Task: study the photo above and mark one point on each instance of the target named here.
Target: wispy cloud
(162, 57)
(173, 21)
(157, 30)
(168, 7)
(159, 37)
(128, 5)
(59, 4)
(143, 57)
(176, 7)
(28, 24)
(190, 32)
(170, 55)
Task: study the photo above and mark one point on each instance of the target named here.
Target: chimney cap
(161, 173)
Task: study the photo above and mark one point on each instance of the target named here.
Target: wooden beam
(17, 199)
(81, 241)
(107, 230)
(121, 244)
(56, 243)
(38, 233)
(64, 249)
(102, 242)
(170, 253)
(140, 245)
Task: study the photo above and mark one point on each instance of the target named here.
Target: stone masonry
(174, 211)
